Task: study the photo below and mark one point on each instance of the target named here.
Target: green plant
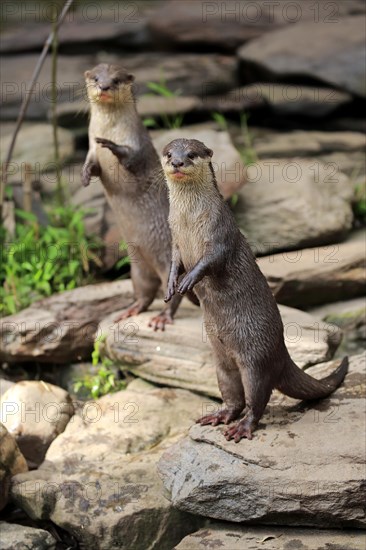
(39, 261)
(104, 381)
(169, 121)
(221, 121)
(249, 155)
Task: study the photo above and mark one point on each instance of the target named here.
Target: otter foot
(134, 309)
(241, 429)
(221, 417)
(159, 321)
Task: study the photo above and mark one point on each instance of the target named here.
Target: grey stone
(314, 276)
(61, 328)
(304, 467)
(11, 462)
(99, 479)
(334, 55)
(231, 537)
(292, 203)
(182, 356)
(35, 413)
(19, 537)
(34, 146)
(307, 143)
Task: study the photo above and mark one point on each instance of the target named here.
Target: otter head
(187, 161)
(109, 84)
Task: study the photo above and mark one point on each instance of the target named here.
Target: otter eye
(169, 155)
(95, 78)
(115, 81)
(191, 156)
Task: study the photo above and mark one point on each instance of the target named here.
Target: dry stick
(59, 191)
(25, 103)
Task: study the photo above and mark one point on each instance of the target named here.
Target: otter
(134, 184)
(241, 316)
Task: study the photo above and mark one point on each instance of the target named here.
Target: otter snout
(185, 158)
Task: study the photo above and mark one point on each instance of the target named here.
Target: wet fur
(241, 316)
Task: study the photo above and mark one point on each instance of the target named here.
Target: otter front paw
(118, 150)
(187, 283)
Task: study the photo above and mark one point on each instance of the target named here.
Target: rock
(35, 413)
(11, 462)
(350, 317)
(34, 146)
(99, 479)
(61, 328)
(314, 276)
(303, 144)
(182, 356)
(232, 537)
(91, 27)
(283, 99)
(335, 54)
(293, 203)
(180, 72)
(227, 163)
(19, 537)
(70, 83)
(304, 466)
(348, 163)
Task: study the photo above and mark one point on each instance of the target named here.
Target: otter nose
(104, 87)
(177, 163)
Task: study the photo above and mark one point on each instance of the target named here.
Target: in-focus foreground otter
(241, 316)
(134, 184)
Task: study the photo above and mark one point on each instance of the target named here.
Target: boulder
(61, 328)
(350, 317)
(231, 537)
(335, 55)
(19, 537)
(35, 413)
(227, 163)
(99, 480)
(11, 462)
(182, 356)
(292, 203)
(307, 143)
(304, 467)
(314, 276)
(34, 146)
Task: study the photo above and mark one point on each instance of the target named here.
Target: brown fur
(241, 316)
(133, 181)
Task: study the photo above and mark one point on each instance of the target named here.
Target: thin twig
(26, 100)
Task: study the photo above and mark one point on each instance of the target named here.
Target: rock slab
(305, 465)
(182, 356)
(99, 479)
(230, 537)
(19, 537)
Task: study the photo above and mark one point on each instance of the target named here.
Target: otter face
(186, 160)
(109, 84)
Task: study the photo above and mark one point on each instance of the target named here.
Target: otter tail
(294, 382)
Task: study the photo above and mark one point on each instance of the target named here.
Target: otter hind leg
(258, 390)
(231, 388)
(145, 284)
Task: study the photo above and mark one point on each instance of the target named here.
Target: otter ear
(130, 78)
(209, 152)
(87, 74)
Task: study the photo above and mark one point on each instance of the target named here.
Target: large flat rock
(314, 276)
(305, 465)
(61, 328)
(229, 537)
(99, 479)
(335, 54)
(182, 356)
(19, 537)
(292, 203)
